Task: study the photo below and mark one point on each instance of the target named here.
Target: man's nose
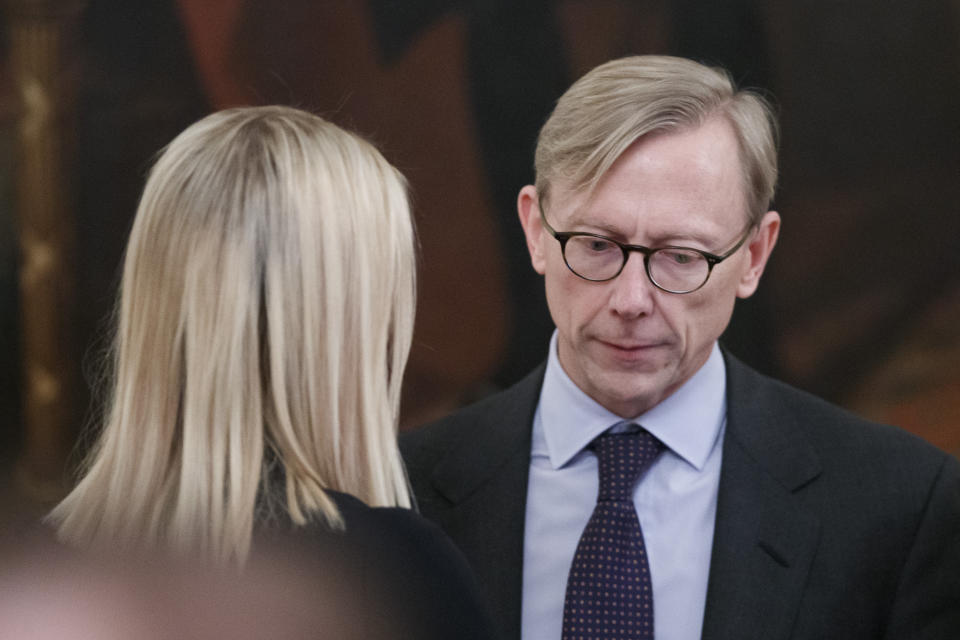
(632, 292)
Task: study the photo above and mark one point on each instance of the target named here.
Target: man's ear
(528, 207)
(759, 249)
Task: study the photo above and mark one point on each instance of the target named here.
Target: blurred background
(861, 303)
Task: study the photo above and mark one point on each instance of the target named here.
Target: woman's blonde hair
(617, 103)
(265, 318)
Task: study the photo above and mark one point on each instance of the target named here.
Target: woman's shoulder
(402, 540)
(403, 526)
(423, 571)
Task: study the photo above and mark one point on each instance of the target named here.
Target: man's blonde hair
(265, 319)
(619, 102)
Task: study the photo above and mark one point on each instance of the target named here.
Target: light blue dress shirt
(676, 500)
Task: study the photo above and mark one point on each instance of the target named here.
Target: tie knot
(622, 458)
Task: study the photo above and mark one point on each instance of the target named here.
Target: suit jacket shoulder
(469, 473)
(829, 525)
(453, 456)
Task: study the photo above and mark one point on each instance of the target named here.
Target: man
(753, 509)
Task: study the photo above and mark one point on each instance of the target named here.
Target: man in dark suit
(755, 511)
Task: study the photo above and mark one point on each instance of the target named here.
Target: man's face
(624, 342)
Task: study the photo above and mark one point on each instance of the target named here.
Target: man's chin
(628, 394)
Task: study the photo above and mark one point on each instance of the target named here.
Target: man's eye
(598, 245)
(682, 257)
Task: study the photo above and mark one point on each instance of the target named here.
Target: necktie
(609, 595)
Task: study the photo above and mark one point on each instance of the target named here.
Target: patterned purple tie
(608, 590)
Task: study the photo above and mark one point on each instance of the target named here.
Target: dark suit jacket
(828, 526)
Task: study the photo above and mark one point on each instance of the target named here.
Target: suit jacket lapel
(765, 539)
(485, 479)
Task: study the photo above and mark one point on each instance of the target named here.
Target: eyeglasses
(672, 269)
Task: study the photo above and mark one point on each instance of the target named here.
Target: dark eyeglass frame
(711, 259)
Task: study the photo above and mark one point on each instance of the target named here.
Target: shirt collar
(688, 422)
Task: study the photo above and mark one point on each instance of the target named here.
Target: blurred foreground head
(49, 592)
(264, 322)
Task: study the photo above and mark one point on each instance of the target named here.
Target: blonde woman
(265, 318)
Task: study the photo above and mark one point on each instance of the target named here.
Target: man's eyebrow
(679, 237)
(579, 220)
(682, 239)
